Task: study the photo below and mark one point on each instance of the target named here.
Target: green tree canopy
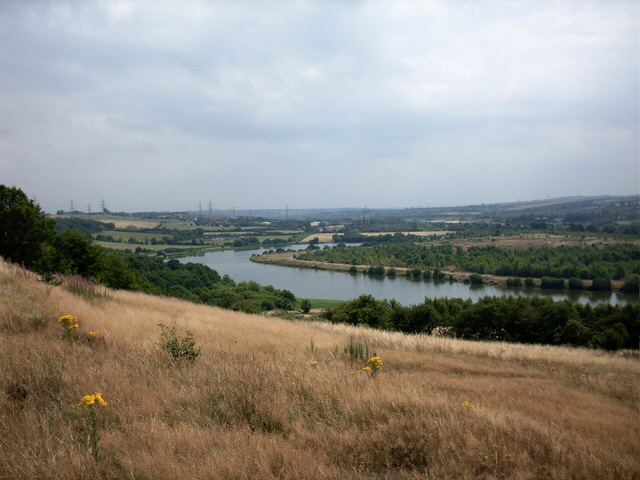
(24, 230)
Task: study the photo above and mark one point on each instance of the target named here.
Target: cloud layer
(161, 105)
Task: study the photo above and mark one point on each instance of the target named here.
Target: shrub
(576, 284)
(552, 283)
(613, 338)
(178, 348)
(305, 305)
(514, 282)
(600, 285)
(631, 284)
(376, 270)
(476, 279)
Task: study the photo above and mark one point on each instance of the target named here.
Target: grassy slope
(252, 406)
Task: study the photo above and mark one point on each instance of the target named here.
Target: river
(308, 283)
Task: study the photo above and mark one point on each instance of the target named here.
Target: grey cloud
(396, 89)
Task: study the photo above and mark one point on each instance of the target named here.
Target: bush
(528, 282)
(476, 279)
(613, 338)
(267, 305)
(576, 284)
(552, 283)
(305, 305)
(178, 348)
(514, 282)
(377, 270)
(600, 285)
(631, 284)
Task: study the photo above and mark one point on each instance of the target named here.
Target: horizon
(293, 210)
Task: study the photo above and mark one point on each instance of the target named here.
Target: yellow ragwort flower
(467, 404)
(91, 399)
(67, 319)
(377, 360)
(94, 334)
(314, 363)
(366, 369)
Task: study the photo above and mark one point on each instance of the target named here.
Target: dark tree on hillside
(23, 228)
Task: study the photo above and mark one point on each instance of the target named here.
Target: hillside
(254, 404)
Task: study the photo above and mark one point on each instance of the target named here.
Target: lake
(308, 283)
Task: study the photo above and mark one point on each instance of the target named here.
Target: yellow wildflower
(67, 319)
(467, 404)
(366, 369)
(91, 399)
(314, 363)
(94, 334)
(374, 364)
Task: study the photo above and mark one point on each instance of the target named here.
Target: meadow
(270, 398)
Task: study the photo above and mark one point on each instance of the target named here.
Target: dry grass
(252, 406)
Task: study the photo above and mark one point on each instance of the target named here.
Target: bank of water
(309, 283)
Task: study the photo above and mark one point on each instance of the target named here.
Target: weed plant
(357, 348)
(179, 348)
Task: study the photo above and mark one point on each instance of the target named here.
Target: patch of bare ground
(328, 237)
(255, 404)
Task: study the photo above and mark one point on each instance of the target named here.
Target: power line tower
(72, 206)
(102, 206)
(89, 209)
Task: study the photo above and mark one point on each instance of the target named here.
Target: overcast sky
(261, 104)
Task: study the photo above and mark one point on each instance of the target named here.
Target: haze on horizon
(317, 104)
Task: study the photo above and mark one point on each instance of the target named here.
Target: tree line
(533, 320)
(587, 263)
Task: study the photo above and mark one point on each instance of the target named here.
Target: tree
(576, 284)
(76, 254)
(631, 284)
(305, 305)
(600, 284)
(24, 230)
